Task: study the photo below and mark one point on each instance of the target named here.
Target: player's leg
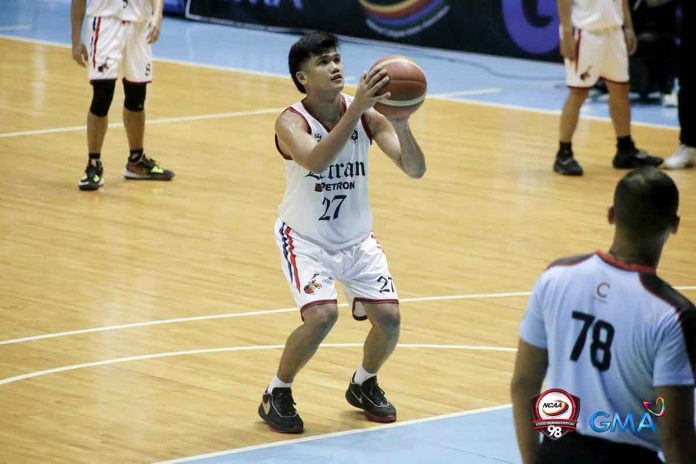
(134, 114)
(685, 155)
(579, 79)
(304, 341)
(383, 336)
(277, 406)
(371, 288)
(363, 390)
(137, 65)
(313, 288)
(97, 123)
(565, 162)
(615, 73)
(104, 55)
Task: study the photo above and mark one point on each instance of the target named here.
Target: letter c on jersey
(603, 289)
(538, 34)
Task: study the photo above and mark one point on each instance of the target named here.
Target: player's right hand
(568, 44)
(368, 92)
(79, 54)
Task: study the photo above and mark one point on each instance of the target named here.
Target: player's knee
(102, 95)
(388, 318)
(135, 96)
(322, 318)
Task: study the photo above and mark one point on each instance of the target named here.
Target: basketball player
(120, 36)
(594, 45)
(611, 332)
(686, 153)
(324, 231)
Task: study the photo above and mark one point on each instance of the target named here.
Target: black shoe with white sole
(370, 398)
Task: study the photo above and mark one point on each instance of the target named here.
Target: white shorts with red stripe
(598, 54)
(312, 271)
(118, 47)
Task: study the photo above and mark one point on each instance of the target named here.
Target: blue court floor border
(505, 81)
(485, 437)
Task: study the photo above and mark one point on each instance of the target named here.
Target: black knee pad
(135, 96)
(102, 94)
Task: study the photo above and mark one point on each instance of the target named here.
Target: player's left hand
(631, 41)
(155, 25)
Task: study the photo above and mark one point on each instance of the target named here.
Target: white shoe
(670, 100)
(682, 158)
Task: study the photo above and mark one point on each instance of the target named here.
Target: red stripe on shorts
(577, 50)
(94, 43)
(293, 261)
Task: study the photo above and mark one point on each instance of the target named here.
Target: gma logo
(599, 422)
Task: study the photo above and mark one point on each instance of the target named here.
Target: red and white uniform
(594, 15)
(600, 47)
(117, 32)
(324, 230)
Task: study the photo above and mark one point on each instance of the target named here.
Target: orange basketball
(407, 85)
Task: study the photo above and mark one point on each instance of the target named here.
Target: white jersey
(126, 10)
(137, 10)
(613, 333)
(592, 15)
(331, 207)
(106, 8)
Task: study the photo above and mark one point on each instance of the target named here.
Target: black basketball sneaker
(370, 398)
(277, 409)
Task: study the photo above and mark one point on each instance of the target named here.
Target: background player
(120, 36)
(686, 153)
(324, 229)
(594, 45)
(614, 334)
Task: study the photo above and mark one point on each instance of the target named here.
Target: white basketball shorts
(312, 271)
(118, 47)
(598, 54)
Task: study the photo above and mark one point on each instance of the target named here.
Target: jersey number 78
(602, 337)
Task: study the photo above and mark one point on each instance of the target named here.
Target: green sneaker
(146, 169)
(93, 178)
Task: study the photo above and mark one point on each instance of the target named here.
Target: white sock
(362, 375)
(277, 383)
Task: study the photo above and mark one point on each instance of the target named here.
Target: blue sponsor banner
(175, 7)
(518, 28)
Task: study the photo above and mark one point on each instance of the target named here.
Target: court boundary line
(154, 121)
(229, 349)
(330, 435)
(433, 96)
(262, 312)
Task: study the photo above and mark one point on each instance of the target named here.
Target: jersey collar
(609, 259)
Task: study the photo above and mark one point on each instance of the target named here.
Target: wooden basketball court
(484, 222)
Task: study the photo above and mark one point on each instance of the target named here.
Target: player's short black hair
(313, 43)
(646, 201)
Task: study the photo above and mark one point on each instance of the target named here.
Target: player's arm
(395, 139)
(629, 33)
(567, 39)
(295, 141)
(77, 15)
(677, 435)
(156, 20)
(528, 375)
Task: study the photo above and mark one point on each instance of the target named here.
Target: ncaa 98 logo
(555, 412)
